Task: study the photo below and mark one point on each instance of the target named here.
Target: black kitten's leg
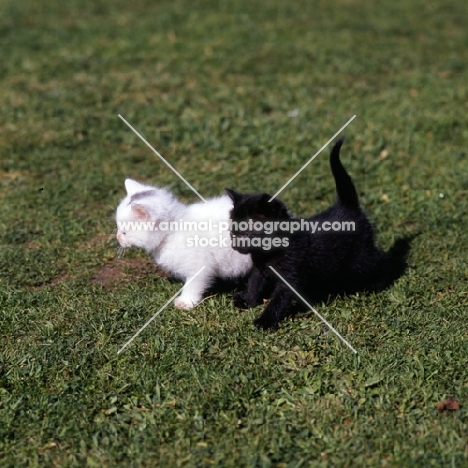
(253, 296)
(277, 308)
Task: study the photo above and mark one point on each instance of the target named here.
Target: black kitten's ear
(234, 196)
(274, 208)
(264, 205)
(265, 198)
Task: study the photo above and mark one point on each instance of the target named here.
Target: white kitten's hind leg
(192, 293)
(184, 303)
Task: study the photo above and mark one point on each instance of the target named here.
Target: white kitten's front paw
(184, 303)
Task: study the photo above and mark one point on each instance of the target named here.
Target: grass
(210, 84)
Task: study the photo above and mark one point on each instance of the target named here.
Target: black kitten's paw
(266, 323)
(240, 300)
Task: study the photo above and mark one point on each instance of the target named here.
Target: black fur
(318, 265)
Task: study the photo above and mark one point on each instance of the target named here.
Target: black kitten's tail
(345, 189)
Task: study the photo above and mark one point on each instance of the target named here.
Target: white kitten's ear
(132, 186)
(140, 211)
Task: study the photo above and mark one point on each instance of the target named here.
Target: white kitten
(178, 251)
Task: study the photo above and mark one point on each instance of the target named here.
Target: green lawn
(211, 84)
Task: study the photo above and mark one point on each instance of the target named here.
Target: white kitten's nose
(121, 239)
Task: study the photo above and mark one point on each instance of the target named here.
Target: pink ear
(140, 211)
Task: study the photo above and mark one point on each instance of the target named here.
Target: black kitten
(335, 254)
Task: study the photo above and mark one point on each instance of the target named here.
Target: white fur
(170, 249)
